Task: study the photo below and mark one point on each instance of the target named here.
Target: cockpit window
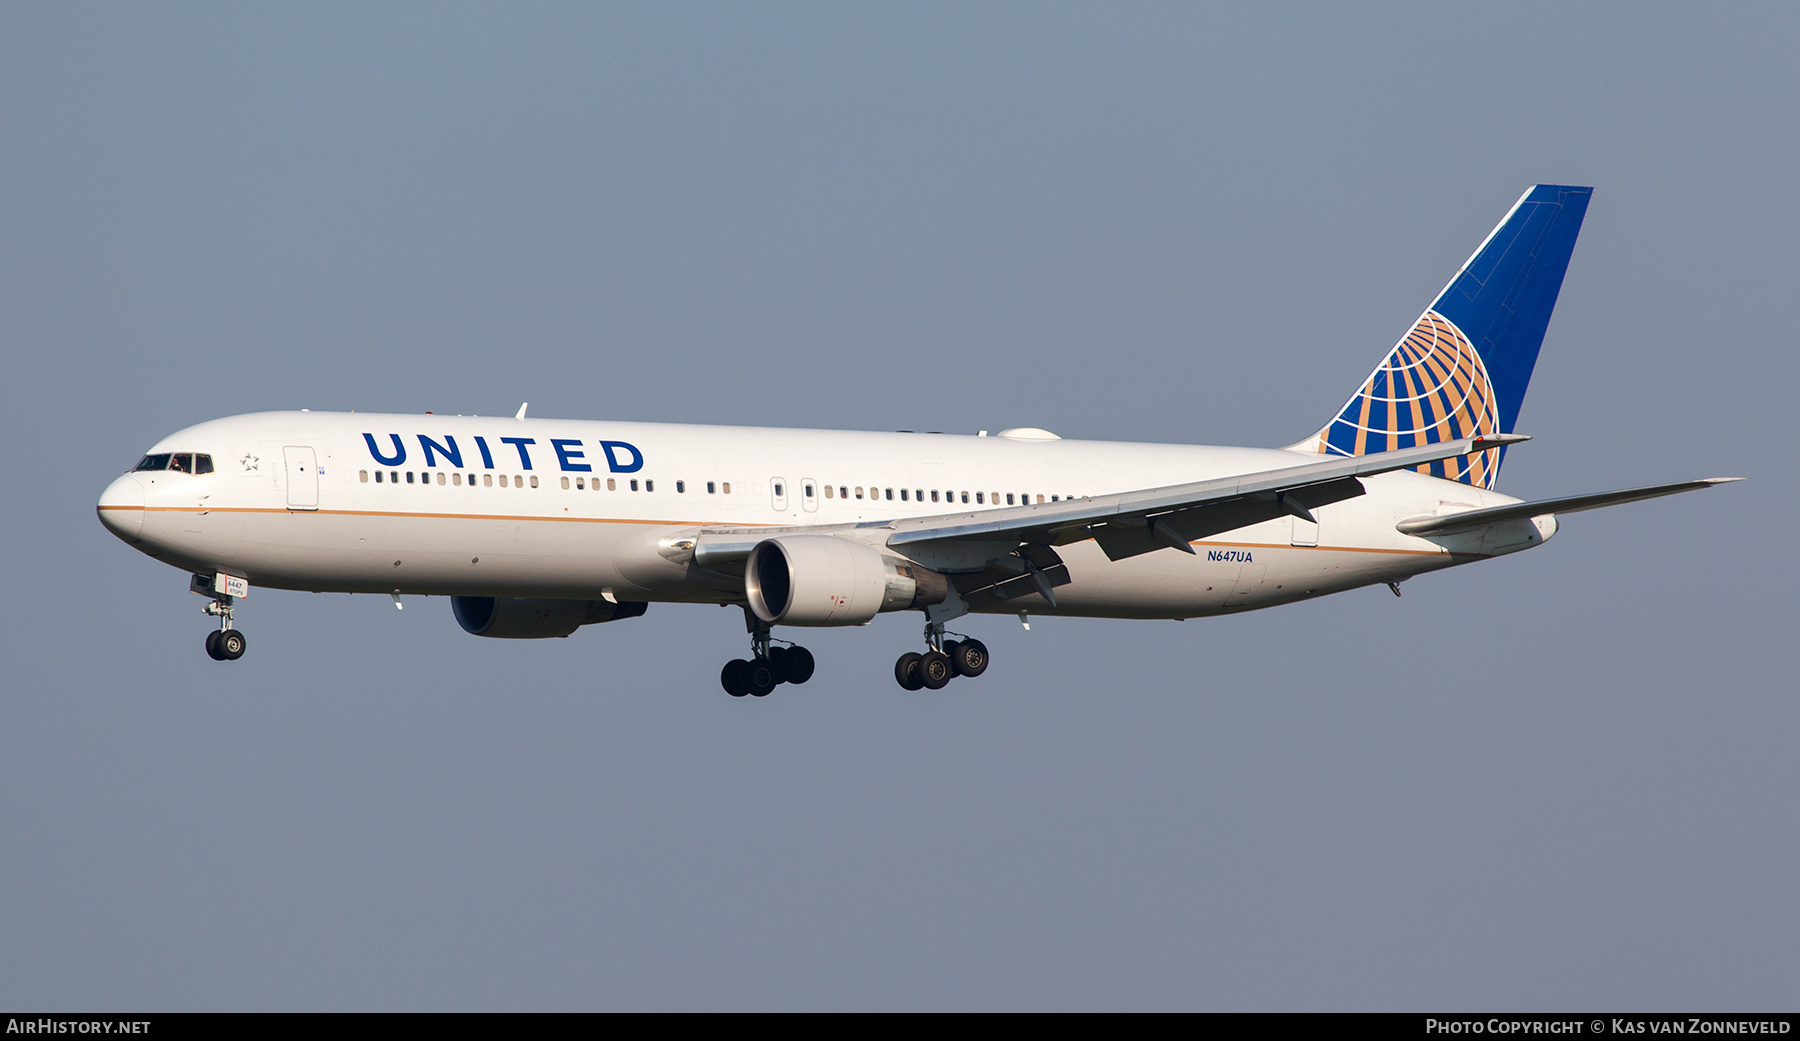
(180, 462)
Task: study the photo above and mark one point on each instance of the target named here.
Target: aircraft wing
(1002, 553)
(1129, 523)
(1567, 504)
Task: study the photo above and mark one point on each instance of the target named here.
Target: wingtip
(1495, 440)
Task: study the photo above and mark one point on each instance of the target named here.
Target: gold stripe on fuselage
(698, 524)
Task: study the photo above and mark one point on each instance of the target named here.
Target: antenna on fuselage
(522, 406)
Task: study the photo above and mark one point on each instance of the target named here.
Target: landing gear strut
(769, 666)
(942, 661)
(224, 643)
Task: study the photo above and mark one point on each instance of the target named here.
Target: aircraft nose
(121, 507)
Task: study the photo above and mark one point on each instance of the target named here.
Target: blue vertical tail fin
(1463, 368)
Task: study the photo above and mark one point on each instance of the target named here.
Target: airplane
(536, 527)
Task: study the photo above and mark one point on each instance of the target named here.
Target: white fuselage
(546, 508)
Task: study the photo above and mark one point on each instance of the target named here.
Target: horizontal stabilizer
(1568, 504)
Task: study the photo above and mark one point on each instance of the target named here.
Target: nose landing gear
(224, 643)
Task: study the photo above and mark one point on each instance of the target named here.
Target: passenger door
(302, 477)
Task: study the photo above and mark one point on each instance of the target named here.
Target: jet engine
(825, 580)
(516, 618)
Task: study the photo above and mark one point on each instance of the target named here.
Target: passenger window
(859, 491)
(565, 484)
(409, 477)
(502, 480)
(1009, 498)
(828, 491)
(726, 487)
(978, 498)
(844, 492)
(634, 485)
(456, 479)
(203, 464)
(919, 494)
(441, 478)
(680, 487)
(1053, 498)
(594, 483)
(365, 476)
(903, 495)
(890, 494)
(378, 477)
(712, 488)
(779, 491)
(934, 495)
(1040, 498)
(580, 485)
(806, 490)
(612, 485)
(649, 486)
(534, 483)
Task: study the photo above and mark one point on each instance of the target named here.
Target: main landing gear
(225, 643)
(942, 661)
(768, 667)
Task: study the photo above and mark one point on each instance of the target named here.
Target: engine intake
(519, 618)
(825, 580)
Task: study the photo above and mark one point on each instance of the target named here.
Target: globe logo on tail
(1431, 388)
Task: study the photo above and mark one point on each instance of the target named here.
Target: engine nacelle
(518, 618)
(825, 580)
